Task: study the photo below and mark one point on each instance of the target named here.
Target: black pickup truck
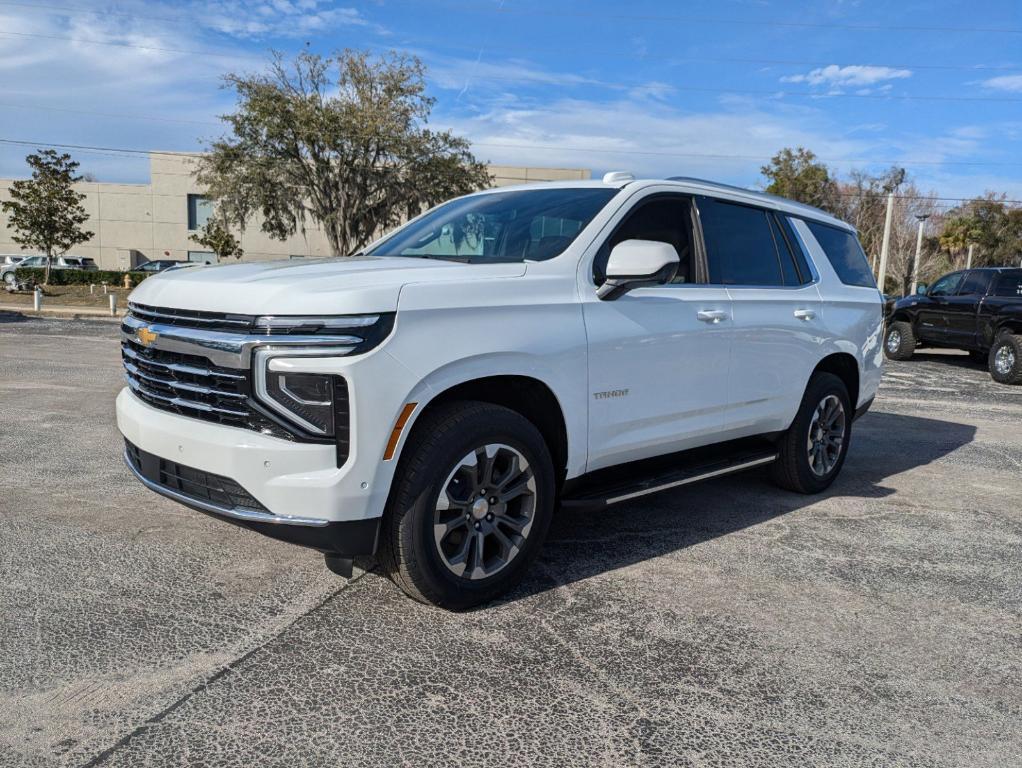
(978, 310)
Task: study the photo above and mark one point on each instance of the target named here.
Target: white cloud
(648, 137)
(857, 75)
(1005, 83)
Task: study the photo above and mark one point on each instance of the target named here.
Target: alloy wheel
(826, 435)
(1004, 359)
(893, 341)
(484, 511)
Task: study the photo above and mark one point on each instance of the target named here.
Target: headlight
(307, 398)
(303, 398)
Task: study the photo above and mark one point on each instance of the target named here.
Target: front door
(658, 356)
(932, 313)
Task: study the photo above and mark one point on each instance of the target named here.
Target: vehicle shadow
(943, 358)
(585, 544)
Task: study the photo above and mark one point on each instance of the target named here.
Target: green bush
(114, 278)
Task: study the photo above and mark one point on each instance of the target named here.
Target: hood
(351, 285)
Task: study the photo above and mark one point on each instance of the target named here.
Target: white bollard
(113, 304)
(104, 288)
(92, 289)
(37, 299)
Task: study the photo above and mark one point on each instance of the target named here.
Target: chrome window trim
(238, 513)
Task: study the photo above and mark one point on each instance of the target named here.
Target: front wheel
(900, 341)
(812, 450)
(470, 505)
(1005, 360)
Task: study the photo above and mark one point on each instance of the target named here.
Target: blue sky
(699, 88)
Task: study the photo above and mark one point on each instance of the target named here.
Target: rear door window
(844, 253)
(740, 246)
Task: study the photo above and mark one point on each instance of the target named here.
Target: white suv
(433, 399)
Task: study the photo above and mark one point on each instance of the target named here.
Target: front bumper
(290, 480)
(227, 500)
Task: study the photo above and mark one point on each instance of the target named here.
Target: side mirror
(638, 262)
(921, 289)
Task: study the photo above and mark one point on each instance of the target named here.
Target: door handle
(711, 315)
(805, 314)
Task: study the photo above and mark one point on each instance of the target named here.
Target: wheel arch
(525, 394)
(845, 367)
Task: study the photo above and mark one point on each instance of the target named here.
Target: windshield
(525, 225)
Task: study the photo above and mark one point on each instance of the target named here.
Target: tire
(794, 469)
(1005, 359)
(432, 491)
(9, 278)
(899, 341)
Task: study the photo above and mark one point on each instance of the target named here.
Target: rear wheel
(1005, 359)
(470, 506)
(812, 450)
(900, 341)
(9, 278)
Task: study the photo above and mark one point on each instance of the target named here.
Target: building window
(199, 209)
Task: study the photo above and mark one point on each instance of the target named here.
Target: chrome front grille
(189, 385)
(190, 318)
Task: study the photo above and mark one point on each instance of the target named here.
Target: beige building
(134, 223)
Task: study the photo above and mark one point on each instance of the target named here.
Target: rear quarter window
(844, 253)
(1009, 284)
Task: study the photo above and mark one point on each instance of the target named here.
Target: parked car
(77, 262)
(433, 400)
(976, 310)
(7, 271)
(159, 265)
(11, 258)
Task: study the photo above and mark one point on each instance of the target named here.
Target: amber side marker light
(399, 426)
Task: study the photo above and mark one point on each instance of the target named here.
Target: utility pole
(968, 261)
(919, 248)
(887, 241)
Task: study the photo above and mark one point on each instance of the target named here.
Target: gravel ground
(725, 624)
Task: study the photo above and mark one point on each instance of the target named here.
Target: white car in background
(7, 270)
(435, 399)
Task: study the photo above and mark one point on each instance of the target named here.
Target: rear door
(776, 313)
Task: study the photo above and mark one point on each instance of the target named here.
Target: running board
(600, 496)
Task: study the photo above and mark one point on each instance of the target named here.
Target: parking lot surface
(725, 624)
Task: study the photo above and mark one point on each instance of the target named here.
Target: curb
(63, 313)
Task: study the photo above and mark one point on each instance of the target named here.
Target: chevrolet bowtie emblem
(146, 336)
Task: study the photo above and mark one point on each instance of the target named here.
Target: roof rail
(747, 191)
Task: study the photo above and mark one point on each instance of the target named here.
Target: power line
(139, 154)
(771, 93)
(603, 150)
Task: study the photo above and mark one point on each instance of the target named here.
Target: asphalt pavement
(727, 624)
